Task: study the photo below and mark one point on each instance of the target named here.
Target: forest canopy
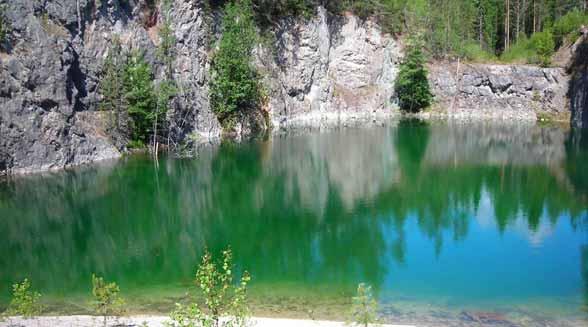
(474, 29)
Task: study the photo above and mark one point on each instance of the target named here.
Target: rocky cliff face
(329, 69)
(579, 85)
(323, 70)
(500, 91)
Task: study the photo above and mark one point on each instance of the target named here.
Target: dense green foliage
(107, 300)
(412, 86)
(537, 49)
(565, 29)
(364, 307)
(235, 86)
(166, 89)
(4, 27)
(112, 91)
(222, 299)
(167, 40)
(140, 96)
(128, 90)
(450, 27)
(25, 301)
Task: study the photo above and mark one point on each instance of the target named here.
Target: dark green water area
(450, 223)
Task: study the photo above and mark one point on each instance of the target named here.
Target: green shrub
(107, 300)
(364, 308)
(537, 49)
(412, 86)
(473, 52)
(544, 46)
(235, 84)
(25, 301)
(222, 299)
(565, 29)
(519, 52)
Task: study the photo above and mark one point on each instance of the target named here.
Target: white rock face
(506, 92)
(329, 69)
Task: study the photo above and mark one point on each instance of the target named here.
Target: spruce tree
(412, 86)
(139, 93)
(234, 86)
(112, 91)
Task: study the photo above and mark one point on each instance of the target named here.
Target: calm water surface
(439, 218)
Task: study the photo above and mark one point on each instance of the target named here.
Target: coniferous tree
(166, 89)
(112, 91)
(234, 87)
(412, 86)
(139, 93)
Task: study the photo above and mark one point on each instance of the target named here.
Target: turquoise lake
(444, 220)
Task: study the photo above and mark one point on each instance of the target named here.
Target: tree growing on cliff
(140, 96)
(166, 89)
(412, 86)
(112, 91)
(167, 40)
(235, 83)
(4, 28)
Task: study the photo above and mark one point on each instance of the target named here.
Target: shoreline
(308, 122)
(160, 321)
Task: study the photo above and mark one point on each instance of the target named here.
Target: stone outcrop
(579, 84)
(500, 91)
(322, 70)
(43, 86)
(329, 69)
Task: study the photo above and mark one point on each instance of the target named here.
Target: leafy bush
(473, 52)
(107, 300)
(412, 86)
(364, 307)
(565, 29)
(235, 84)
(544, 46)
(25, 301)
(222, 299)
(537, 49)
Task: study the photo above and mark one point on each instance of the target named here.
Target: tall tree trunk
(507, 26)
(518, 22)
(535, 16)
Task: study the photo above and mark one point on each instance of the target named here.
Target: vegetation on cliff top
(471, 29)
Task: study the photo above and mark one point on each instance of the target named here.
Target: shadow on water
(407, 208)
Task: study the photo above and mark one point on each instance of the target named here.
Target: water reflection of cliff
(319, 208)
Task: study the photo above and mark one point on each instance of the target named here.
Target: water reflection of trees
(318, 208)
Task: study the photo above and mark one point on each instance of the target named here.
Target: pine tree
(112, 91)
(166, 89)
(167, 40)
(412, 86)
(140, 96)
(235, 86)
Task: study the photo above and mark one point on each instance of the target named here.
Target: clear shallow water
(439, 218)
